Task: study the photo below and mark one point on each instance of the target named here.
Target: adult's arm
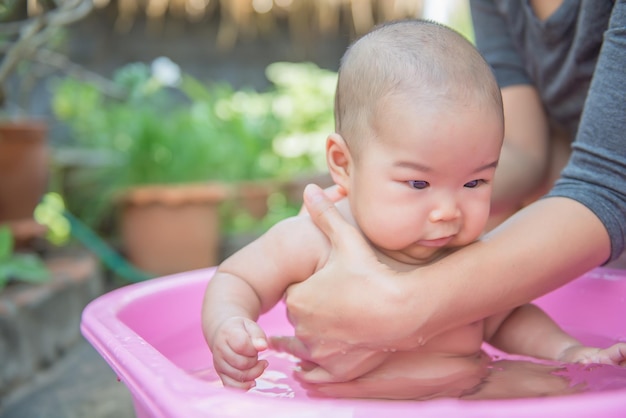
(581, 225)
(524, 158)
(367, 307)
(594, 175)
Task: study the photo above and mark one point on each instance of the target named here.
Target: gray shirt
(577, 61)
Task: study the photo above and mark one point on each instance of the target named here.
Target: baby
(419, 127)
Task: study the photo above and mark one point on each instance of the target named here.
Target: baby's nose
(446, 210)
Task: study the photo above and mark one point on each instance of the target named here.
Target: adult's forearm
(594, 175)
(517, 178)
(367, 306)
(524, 158)
(542, 247)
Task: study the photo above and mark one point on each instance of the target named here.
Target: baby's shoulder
(299, 236)
(298, 242)
(298, 230)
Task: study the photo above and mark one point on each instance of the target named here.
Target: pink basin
(150, 335)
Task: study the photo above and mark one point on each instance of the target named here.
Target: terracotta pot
(24, 172)
(171, 229)
(295, 187)
(251, 196)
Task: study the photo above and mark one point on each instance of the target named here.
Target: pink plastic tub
(150, 335)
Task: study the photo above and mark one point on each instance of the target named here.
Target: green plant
(158, 131)
(24, 267)
(161, 126)
(303, 101)
(49, 212)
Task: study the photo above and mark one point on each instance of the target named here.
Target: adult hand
(400, 377)
(343, 314)
(334, 193)
(328, 362)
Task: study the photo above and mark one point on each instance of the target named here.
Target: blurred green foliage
(175, 129)
(25, 267)
(49, 212)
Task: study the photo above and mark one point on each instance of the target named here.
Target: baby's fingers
(229, 382)
(617, 354)
(257, 336)
(242, 379)
(238, 361)
(247, 341)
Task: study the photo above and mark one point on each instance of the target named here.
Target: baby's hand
(236, 345)
(616, 355)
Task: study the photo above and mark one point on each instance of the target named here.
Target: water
(514, 378)
(276, 381)
(510, 377)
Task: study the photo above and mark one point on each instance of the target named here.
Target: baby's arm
(528, 330)
(229, 310)
(249, 283)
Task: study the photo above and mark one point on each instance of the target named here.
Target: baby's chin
(408, 259)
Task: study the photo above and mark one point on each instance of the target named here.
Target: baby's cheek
(474, 225)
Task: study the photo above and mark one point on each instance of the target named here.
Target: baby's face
(424, 184)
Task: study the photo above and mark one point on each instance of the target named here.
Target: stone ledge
(38, 323)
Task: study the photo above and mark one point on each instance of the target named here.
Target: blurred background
(231, 97)
(140, 138)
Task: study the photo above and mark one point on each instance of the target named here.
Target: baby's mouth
(437, 242)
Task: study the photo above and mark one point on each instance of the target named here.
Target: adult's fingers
(290, 345)
(351, 389)
(326, 216)
(334, 193)
(314, 375)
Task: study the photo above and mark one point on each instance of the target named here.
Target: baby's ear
(339, 160)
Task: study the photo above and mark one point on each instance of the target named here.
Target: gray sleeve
(494, 42)
(596, 173)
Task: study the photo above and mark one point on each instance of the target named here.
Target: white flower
(166, 71)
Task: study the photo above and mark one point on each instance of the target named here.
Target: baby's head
(430, 63)
(419, 127)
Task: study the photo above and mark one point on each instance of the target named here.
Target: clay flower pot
(24, 174)
(169, 229)
(251, 196)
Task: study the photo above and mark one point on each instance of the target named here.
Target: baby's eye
(418, 184)
(474, 183)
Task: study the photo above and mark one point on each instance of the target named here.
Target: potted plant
(171, 143)
(28, 34)
(302, 100)
(164, 129)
